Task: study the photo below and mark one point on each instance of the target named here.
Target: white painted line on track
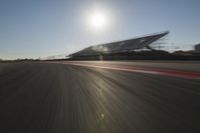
(179, 74)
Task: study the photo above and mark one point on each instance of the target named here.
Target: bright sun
(98, 20)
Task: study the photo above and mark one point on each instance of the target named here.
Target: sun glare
(98, 20)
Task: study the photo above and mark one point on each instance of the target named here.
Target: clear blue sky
(39, 28)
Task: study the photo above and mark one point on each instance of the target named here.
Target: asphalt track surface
(67, 97)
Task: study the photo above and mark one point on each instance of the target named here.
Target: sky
(41, 28)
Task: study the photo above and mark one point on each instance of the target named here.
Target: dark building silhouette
(197, 48)
(121, 46)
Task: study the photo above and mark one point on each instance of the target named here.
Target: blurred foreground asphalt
(50, 97)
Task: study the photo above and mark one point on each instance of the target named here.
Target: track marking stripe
(163, 72)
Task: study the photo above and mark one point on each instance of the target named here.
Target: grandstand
(120, 46)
